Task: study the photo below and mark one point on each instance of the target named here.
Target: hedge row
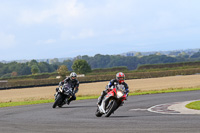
(28, 83)
(170, 65)
(113, 69)
(93, 78)
(155, 74)
(35, 76)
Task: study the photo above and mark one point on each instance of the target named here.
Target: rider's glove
(61, 83)
(108, 88)
(127, 91)
(76, 90)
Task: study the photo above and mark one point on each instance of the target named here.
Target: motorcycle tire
(60, 106)
(112, 107)
(57, 101)
(97, 113)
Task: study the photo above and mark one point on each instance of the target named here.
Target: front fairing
(118, 92)
(123, 97)
(65, 90)
(113, 92)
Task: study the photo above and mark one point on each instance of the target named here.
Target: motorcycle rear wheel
(111, 107)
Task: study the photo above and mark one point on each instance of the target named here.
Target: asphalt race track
(79, 117)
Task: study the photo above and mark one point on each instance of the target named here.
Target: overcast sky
(38, 29)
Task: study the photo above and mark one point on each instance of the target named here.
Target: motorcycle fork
(107, 101)
(103, 105)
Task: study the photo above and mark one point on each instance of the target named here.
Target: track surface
(79, 117)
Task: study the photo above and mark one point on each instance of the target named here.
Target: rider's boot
(68, 101)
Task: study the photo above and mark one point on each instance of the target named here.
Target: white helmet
(73, 76)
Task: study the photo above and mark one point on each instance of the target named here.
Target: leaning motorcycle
(111, 101)
(63, 95)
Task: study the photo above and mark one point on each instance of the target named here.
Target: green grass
(194, 105)
(170, 90)
(9, 104)
(137, 92)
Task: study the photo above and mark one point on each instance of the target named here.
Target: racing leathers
(74, 84)
(108, 88)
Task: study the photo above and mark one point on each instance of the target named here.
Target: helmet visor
(73, 78)
(120, 78)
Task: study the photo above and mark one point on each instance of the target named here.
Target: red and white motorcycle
(111, 101)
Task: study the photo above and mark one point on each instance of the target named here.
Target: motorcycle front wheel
(57, 101)
(97, 113)
(110, 108)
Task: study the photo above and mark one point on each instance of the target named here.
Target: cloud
(74, 13)
(46, 42)
(32, 17)
(61, 12)
(105, 22)
(6, 40)
(83, 34)
(50, 41)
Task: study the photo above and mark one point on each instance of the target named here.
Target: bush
(36, 76)
(170, 65)
(112, 69)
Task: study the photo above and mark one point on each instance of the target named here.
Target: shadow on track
(113, 116)
(78, 106)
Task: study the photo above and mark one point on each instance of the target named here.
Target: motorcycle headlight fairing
(61, 90)
(119, 94)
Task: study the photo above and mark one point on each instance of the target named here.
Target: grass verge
(9, 104)
(170, 90)
(137, 92)
(194, 105)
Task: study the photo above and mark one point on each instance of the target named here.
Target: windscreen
(121, 87)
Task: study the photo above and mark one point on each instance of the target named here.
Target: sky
(40, 29)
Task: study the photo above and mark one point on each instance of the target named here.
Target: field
(88, 89)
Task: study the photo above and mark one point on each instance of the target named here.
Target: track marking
(139, 109)
(163, 109)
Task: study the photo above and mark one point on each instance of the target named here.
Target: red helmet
(120, 77)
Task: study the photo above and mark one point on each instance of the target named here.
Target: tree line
(132, 62)
(85, 64)
(14, 69)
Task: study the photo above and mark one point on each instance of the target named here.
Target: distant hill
(173, 53)
(168, 53)
(39, 60)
